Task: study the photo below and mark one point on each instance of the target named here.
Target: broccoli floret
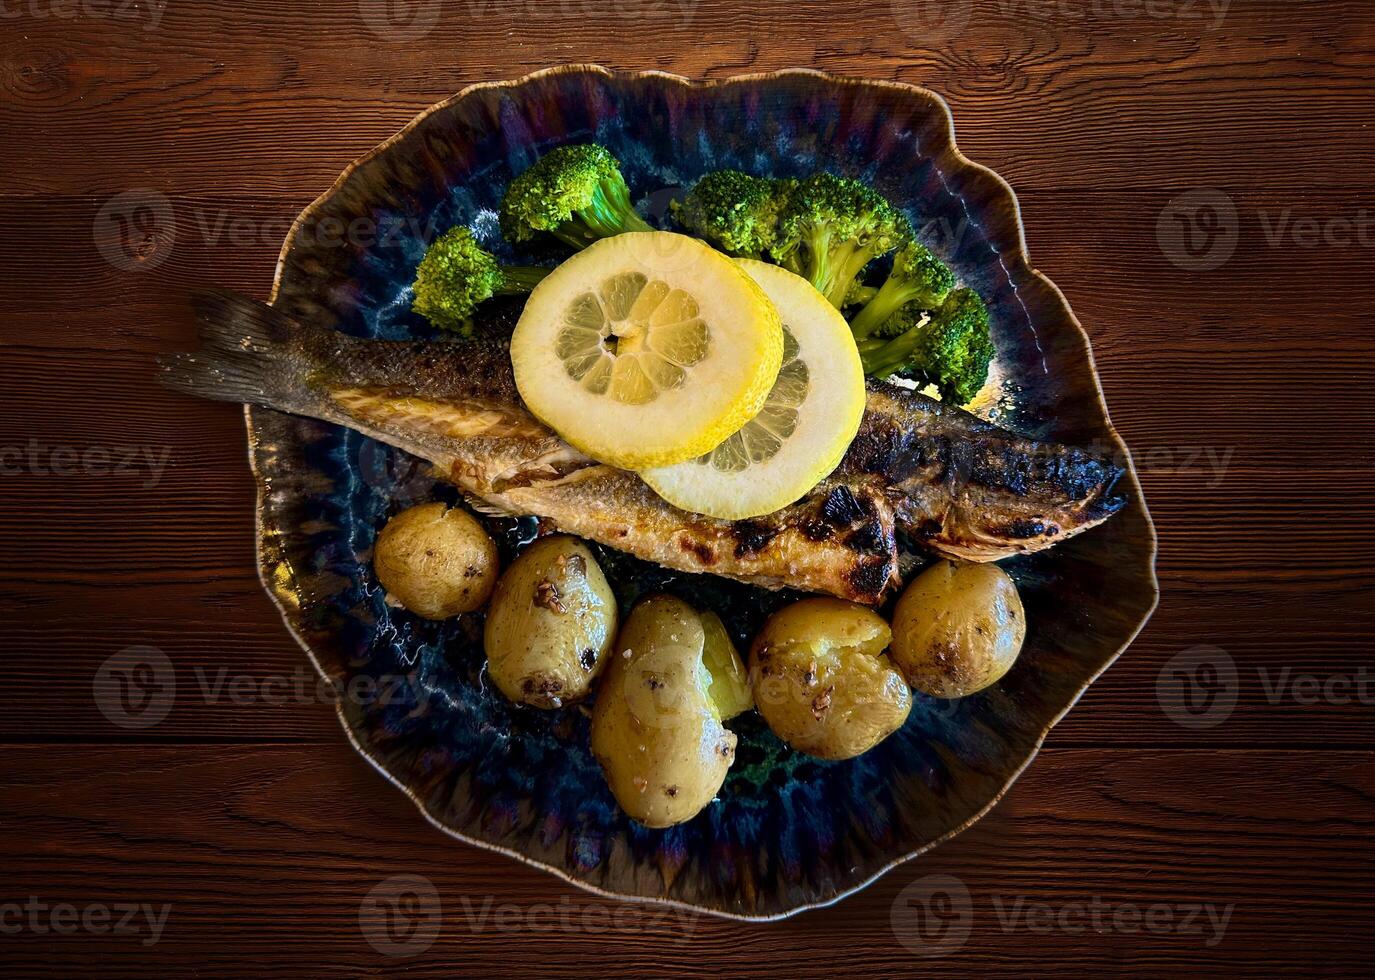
(457, 274)
(918, 278)
(735, 212)
(831, 227)
(575, 193)
(952, 350)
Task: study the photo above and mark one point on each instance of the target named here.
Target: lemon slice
(646, 349)
(805, 426)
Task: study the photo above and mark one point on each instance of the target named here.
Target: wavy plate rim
(285, 599)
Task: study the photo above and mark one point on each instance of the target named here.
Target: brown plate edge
(285, 598)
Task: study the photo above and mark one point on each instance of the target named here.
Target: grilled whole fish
(953, 483)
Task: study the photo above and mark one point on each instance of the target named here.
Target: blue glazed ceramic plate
(787, 832)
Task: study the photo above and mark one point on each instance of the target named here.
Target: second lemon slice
(805, 426)
(646, 349)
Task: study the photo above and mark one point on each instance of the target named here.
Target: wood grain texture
(1242, 390)
(260, 95)
(265, 854)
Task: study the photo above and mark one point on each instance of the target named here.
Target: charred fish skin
(958, 485)
(803, 546)
(965, 488)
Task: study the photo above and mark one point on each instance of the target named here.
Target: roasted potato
(730, 682)
(436, 561)
(657, 725)
(822, 682)
(957, 628)
(550, 625)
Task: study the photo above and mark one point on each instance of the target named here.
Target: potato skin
(655, 729)
(550, 625)
(958, 628)
(822, 682)
(435, 560)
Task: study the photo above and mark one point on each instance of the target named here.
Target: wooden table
(1243, 388)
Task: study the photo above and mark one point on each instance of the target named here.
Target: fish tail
(250, 353)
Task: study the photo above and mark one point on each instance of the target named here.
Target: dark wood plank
(259, 95)
(1100, 246)
(264, 855)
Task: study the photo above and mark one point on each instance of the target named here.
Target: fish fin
(248, 354)
(482, 507)
(228, 318)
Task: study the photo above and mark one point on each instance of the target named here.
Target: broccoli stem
(887, 301)
(845, 264)
(574, 234)
(517, 280)
(814, 266)
(610, 213)
(882, 359)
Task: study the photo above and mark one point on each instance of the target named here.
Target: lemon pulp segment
(646, 349)
(804, 427)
